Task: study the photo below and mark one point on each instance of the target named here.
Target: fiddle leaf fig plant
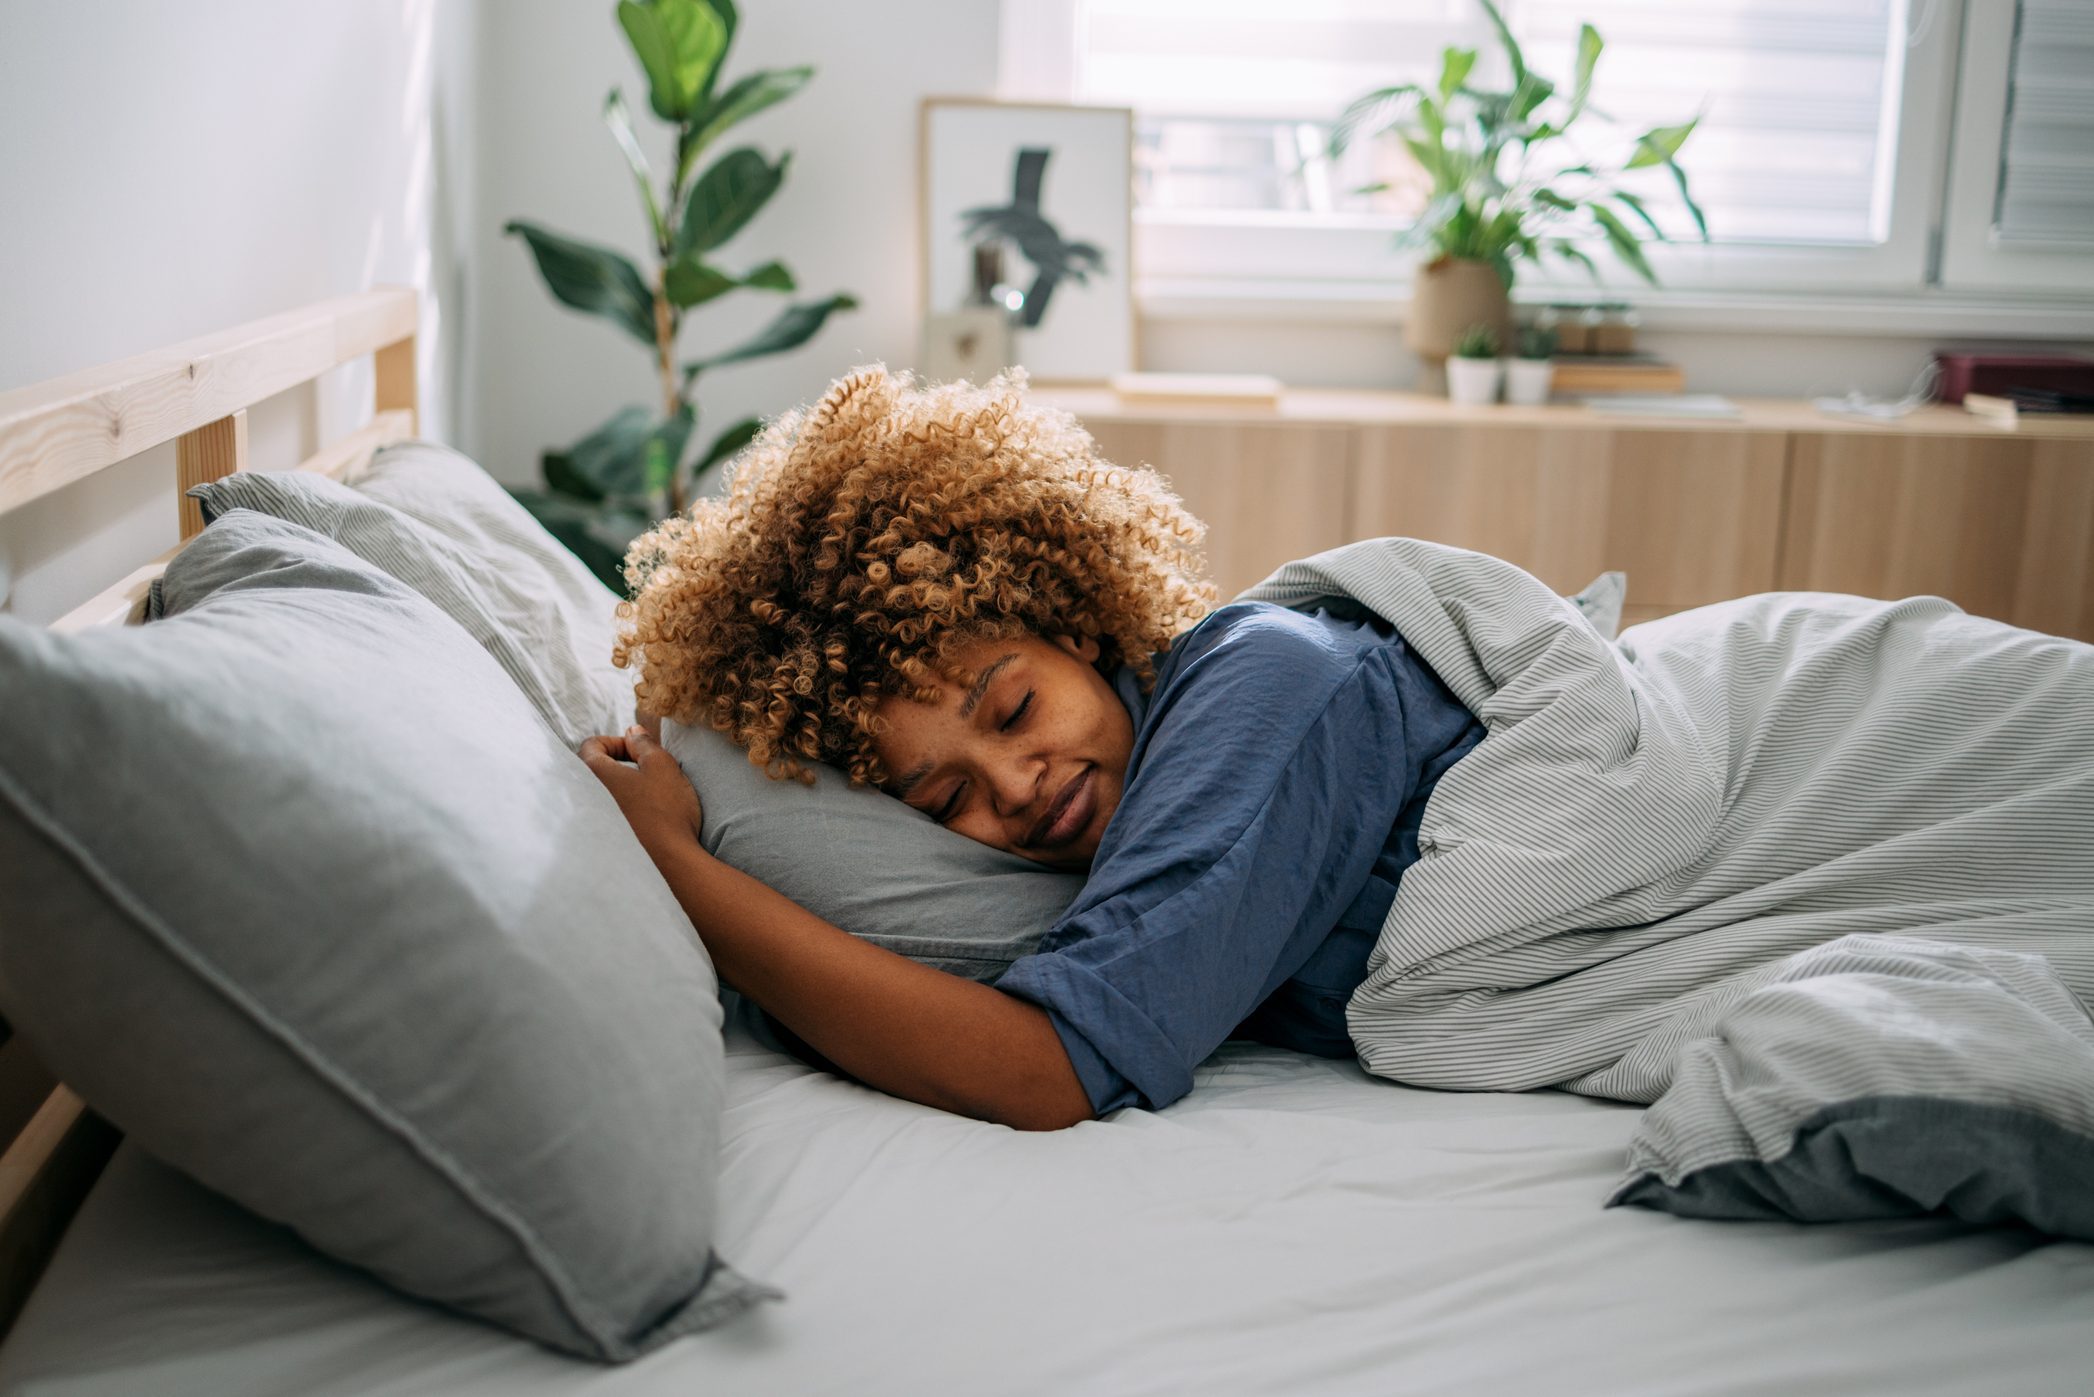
(643, 463)
(1510, 181)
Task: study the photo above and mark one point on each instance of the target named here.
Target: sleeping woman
(947, 594)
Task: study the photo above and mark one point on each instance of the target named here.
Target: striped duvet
(1655, 826)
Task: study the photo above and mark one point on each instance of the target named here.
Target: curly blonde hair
(864, 540)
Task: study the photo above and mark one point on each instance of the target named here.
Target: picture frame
(1035, 199)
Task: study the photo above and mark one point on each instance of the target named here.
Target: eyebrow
(911, 781)
(905, 787)
(981, 685)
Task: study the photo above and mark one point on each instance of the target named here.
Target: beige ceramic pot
(1447, 297)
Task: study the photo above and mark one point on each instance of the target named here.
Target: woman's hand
(650, 789)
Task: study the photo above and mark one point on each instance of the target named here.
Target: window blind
(2046, 184)
(1798, 98)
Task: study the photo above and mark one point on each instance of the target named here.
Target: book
(1204, 390)
(2012, 415)
(1664, 404)
(1579, 375)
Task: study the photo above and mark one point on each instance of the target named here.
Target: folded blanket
(1879, 1076)
(1652, 824)
(1653, 827)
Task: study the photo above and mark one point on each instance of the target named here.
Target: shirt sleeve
(1265, 783)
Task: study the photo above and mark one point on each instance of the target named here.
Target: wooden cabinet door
(2003, 528)
(1269, 492)
(1691, 515)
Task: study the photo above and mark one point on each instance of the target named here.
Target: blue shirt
(1280, 768)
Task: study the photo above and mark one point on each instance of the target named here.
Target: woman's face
(1030, 758)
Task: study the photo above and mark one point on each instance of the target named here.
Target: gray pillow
(303, 896)
(430, 517)
(866, 862)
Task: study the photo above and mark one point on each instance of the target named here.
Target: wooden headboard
(53, 434)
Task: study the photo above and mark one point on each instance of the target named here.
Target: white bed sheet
(1293, 1227)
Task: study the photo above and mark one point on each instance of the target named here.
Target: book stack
(2037, 411)
(1586, 375)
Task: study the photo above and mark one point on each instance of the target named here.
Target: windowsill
(1919, 314)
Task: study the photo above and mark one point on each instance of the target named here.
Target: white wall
(844, 220)
(175, 169)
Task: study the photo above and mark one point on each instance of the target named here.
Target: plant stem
(665, 365)
(664, 317)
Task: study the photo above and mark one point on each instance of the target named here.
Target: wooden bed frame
(53, 434)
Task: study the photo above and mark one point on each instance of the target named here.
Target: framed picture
(1029, 206)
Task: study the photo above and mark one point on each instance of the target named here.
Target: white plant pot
(1527, 381)
(1474, 382)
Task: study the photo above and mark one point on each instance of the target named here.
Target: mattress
(1293, 1226)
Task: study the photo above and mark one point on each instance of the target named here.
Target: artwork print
(1027, 208)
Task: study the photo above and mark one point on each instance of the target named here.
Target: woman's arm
(905, 1028)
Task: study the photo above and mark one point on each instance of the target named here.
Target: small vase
(1474, 382)
(1449, 295)
(1527, 381)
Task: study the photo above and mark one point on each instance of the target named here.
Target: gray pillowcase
(430, 517)
(302, 895)
(866, 862)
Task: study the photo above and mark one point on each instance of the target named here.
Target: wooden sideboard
(1782, 497)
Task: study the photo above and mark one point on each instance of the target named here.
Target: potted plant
(1473, 373)
(615, 482)
(1509, 183)
(1528, 376)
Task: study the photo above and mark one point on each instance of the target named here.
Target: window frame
(1972, 257)
(1263, 265)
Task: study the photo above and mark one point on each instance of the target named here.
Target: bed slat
(43, 1176)
(54, 433)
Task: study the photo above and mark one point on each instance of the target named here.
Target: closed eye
(944, 813)
(1018, 712)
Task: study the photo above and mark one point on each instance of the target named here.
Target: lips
(1068, 816)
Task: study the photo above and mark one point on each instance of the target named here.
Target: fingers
(603, 751)
(643, 750)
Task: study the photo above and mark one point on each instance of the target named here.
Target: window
(2020, 210)
(1821, 158)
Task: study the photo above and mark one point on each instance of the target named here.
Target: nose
(1013, 783)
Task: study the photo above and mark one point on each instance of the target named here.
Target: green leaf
(678, 43)
(620, 121)
(1623, 242)
(1571, 252)
(1370, 110)
(1455, 64)
(598, 534)
(1679, 177)
(724, 446)
(1551, 199)
(663, 451)
(591, 278)
(691, 282)
(1635, 206)
(1589, 46)
(1660, 144)
(1513, 56)
(728, 20)
(727, 196)
(610, 462)
(793, 328)
(738, 103)
(1533, 90)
